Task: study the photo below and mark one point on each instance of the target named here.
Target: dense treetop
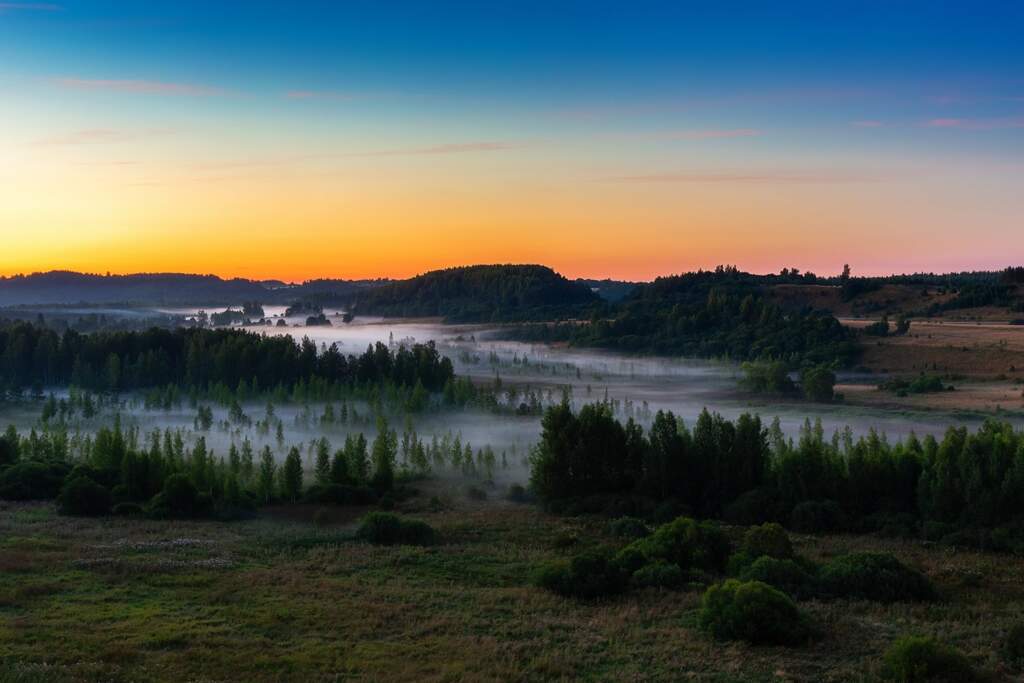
(196, 358)
(480, 294)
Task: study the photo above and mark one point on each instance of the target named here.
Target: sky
(356, 139)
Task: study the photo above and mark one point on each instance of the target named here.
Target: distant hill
(65, 287)
(612, 291)
(485, 293)
(165, 289)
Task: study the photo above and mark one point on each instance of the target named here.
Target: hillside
(485, 293)
(165, 289)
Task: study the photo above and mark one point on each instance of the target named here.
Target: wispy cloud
(91, 136)
(783, 177)
(323, 95)
(143, 87)
(712, 134)
(449, 148)
(977, 124)
(29, 6)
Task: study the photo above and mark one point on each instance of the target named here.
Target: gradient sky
(630, 139)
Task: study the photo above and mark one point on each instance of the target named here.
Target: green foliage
(767, 539)
(629, 527)
(767, 377)
(784, 574)
(81, 496)
(874, 576)
(1013, 645)
(291, 476)
(201, 359)
(922, 384)
(818, 383)
(32, 480)
(816, 516)
(753, 612)
(588, 576)
(686, 543)
(385, 528)
(180, 499)
(658, 574)
(916, 659)
(480, 294)
(710, 314)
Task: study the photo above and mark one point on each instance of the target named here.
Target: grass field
(284, 599)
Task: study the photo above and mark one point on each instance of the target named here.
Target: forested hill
(487, 293)
(66, 287)
(722, 313)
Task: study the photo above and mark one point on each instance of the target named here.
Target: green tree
(291, 478)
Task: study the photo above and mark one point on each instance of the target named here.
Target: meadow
(291, 596)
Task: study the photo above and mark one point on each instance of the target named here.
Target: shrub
(919, 658)
(628, 527)
(753, 612)
(786, 575)
(658, 574)
(180, 499)
(517, 494)
(127, 510)
(754, 507)
(340, 494)
(587, 576)
(816, 516)
(32, 480)
(476, 493)
(385, 528)
(1013, 645)
(767, 539)
(874, 576)
(81, 496)
(687, 544)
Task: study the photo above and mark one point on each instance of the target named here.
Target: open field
(976, 350)
(282, 599)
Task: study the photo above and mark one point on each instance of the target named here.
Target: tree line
(747, 472)
(199, 359)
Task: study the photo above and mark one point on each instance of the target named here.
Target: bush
(180, 499)
(816, 516)
(658, 574)
(128, 510)
(83, 497)
(32, 480)
(340, 494)
(476, 493)
(767, 539)
(753, 612)
(687, 544)
(754, 507)
(385, 528)
(1013, 645)
(874, 576)
(786, 575)
(587, 576)
(517, 494)
(628, 527)
(918, 658)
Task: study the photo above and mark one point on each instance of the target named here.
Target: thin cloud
(138, 87)
(977, 124)
(91, 136)
(29, 6)
(450, 148)
(322, 95)
(760, 177)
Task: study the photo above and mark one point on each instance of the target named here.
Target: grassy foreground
(283, 599)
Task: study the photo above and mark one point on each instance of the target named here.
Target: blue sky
(663, 94)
